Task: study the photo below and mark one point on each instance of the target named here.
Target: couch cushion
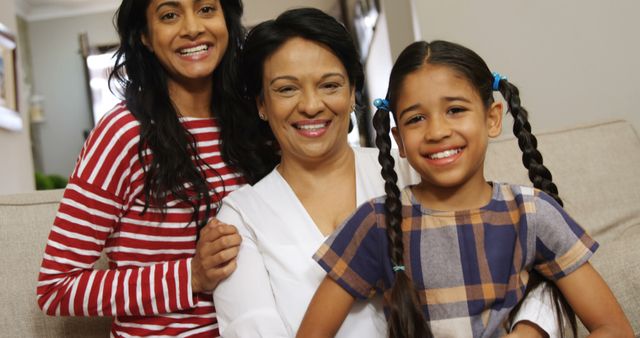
(25, 220)
(595, 169)
(619, 264)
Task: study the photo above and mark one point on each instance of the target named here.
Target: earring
(262, 116)
(353, 107)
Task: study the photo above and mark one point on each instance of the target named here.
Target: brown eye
(456, 110)
(414, 119)
(331, 86)
(168, 16)
(208, 10)
(286, 90)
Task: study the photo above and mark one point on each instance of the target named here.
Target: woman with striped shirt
(150, 176)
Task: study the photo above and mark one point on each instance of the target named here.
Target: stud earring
(262, 116)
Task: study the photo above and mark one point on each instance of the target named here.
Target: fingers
(220, 258)
(206, 249)
(213, 222)
(207, 279)
(218, 267)
(215, 256)
(216, 229)
(215, 276)
(216, 237)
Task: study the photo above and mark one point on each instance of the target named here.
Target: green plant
(47, 182)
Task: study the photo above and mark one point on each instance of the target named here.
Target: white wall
(59, 77)
(16, 170)
(575, 61)
(256, 11)
(396, 28)
(401, 30)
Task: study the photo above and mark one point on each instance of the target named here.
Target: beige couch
(24, 226)
(595, 168)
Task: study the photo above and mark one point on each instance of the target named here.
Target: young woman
(151, 174)
(452, 255)
(302, 71)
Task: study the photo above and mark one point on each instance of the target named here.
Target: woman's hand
(215, 257)
(527, 329)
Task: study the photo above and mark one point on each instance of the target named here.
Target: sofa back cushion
(596, 170)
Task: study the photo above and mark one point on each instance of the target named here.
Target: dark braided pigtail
(405, 318)
(541, 178)
(539, 175)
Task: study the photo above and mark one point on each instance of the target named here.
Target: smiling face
(189, 37)
(307, 99)
(444, 127)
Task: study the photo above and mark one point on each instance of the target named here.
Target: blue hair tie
(496, 80)
(397, 268)
(381, 104)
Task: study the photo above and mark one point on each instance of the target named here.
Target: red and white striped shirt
(148, 284)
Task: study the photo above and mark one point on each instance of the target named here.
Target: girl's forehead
(436, 81)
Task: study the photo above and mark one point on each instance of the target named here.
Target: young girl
(453, 254)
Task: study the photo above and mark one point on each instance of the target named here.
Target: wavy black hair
(264, 40)
(406, 317)
(144, 83)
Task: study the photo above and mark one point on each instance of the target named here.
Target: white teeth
(444, 154)
(311, 126)
(194, 50)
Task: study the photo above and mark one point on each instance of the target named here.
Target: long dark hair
(261, 42)
(406, 314)
(171, 169)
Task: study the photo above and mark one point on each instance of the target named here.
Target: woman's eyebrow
(283, 77)
(333, 74)
(169, 3)
(293, 78)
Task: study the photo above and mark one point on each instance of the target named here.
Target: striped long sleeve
(147, 286)
(68, 284)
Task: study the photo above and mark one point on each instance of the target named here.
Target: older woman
(303, 71)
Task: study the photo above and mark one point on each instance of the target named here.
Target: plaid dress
(470, 267)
